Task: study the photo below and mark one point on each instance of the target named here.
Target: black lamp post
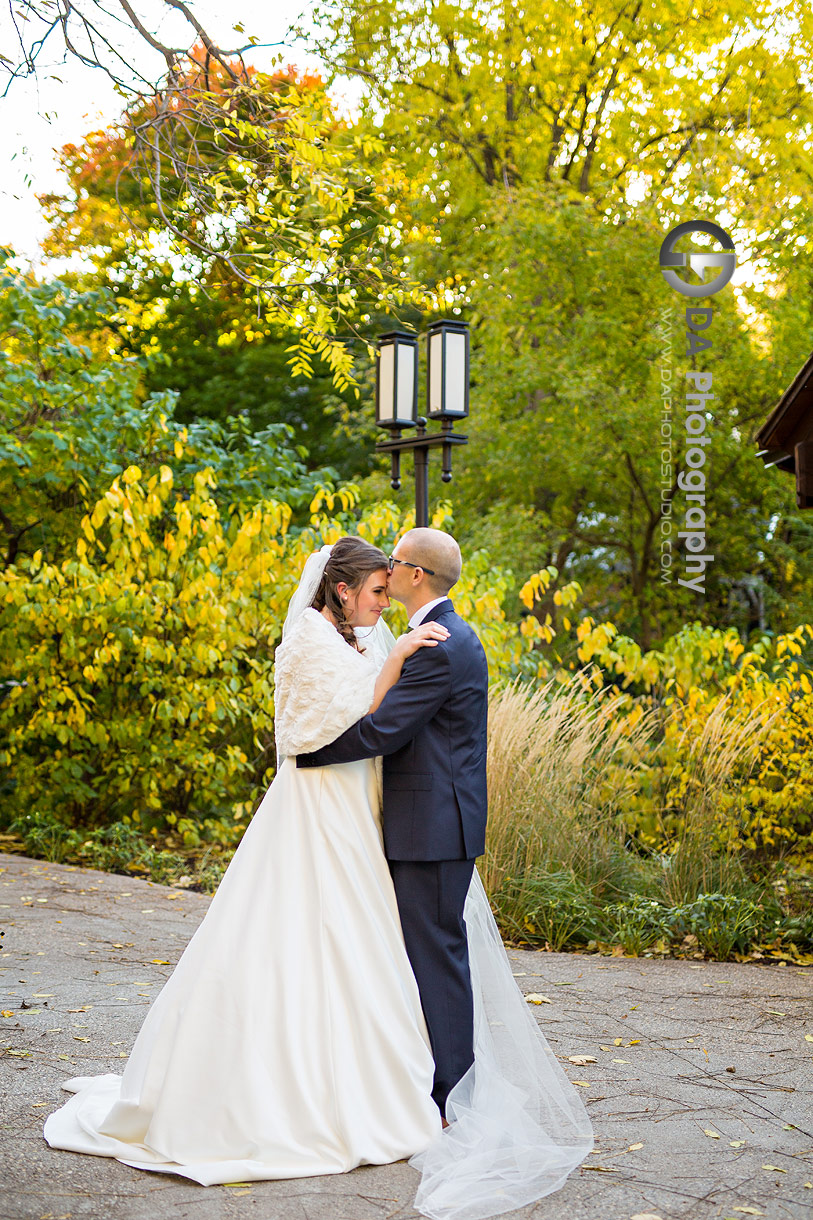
(447, 400)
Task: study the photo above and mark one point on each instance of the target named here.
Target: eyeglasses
(391, 562)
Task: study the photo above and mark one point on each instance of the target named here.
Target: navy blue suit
(431, 730)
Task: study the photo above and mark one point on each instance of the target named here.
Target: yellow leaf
(585, 1084)
(634, 1147)
(775, 1168)
(715, 1135)
(534, 997)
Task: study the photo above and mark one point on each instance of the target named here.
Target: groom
(431, 729)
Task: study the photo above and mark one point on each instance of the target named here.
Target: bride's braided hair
(351, 560)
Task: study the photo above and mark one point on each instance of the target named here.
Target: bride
(289, 1041)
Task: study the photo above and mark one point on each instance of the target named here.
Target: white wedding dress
(289, 1040)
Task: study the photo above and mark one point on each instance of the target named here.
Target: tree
(249, 175)
(72, 419)
(687, 106)
(550, 150)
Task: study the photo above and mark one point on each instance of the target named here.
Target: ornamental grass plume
(709, 807)
(561, 768)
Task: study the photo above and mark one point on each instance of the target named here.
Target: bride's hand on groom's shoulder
(427, 635)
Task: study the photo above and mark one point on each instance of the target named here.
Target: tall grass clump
(708, 806)
(561, 768)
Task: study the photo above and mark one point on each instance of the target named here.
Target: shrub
(798, 930)
(636, 924)
(45, 836)
(550, 908)
(722, 923)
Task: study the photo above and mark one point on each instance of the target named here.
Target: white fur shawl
(322, 685)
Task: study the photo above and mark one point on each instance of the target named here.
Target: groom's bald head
(436, 550)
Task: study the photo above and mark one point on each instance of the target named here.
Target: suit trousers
(431, 895)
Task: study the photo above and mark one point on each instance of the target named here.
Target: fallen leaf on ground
(775, 1168)
(585, 1084)
(601, 1168)
(775, 1012)
(84, 1008)
(749, 1211)
(645, 1216)
(634, 1147)
(634, 1042)
(606, 1048)
(581, 1060)
(808, 1037)
(533, 997)
(7, 1012)
(618, 1042)
(76, 1038)
(715, 1135)
(620, 1060)
(158, 961)
(736, 1143)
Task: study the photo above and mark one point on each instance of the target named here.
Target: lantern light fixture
(447, 400)
(447, 370)
(396, 383)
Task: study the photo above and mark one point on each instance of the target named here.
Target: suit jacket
(431, 730)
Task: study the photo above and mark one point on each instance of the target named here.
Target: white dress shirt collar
(420, 615)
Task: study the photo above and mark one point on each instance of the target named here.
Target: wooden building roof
(785, 440)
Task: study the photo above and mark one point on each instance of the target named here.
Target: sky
(65, 100)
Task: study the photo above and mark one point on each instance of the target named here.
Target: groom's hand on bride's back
(408, 706)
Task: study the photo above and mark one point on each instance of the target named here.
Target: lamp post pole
(447, 398)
